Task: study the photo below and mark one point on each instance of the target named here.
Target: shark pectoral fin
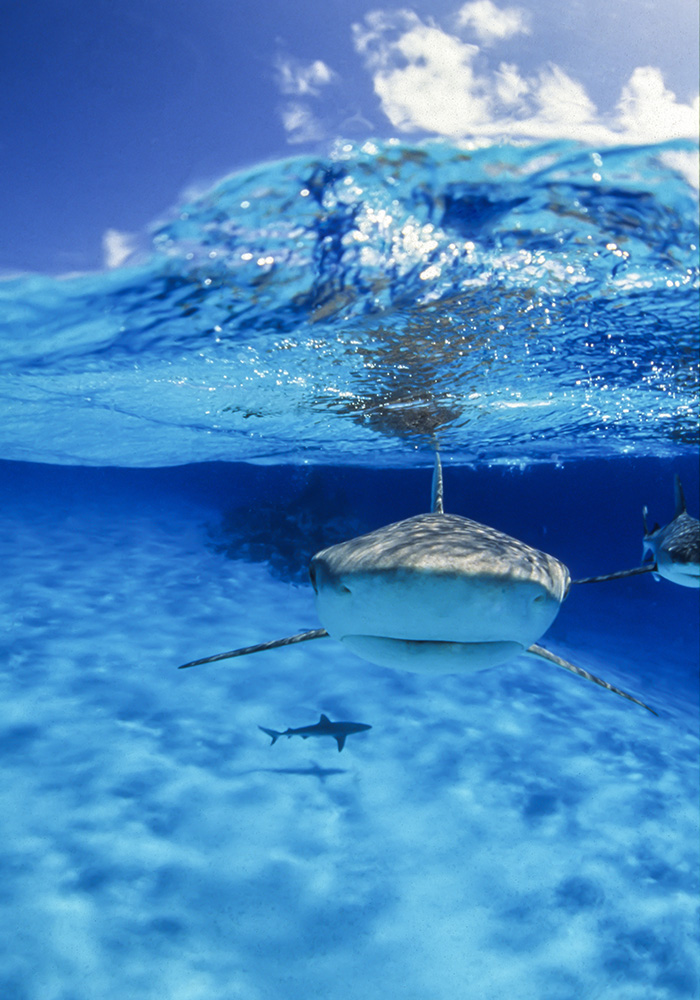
(341, 742)
(647, 568)
(271, 732)
(580, 672)
(290, 640)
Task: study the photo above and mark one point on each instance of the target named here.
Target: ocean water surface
(267, 375)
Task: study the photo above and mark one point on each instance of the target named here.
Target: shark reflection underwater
(438, 593)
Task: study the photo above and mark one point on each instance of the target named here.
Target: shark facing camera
(440, 593)
(437, 593)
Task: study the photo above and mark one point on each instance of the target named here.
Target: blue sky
(110, 111)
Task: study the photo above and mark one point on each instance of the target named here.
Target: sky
(109, 112)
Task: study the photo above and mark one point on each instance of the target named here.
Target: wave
(526, 303)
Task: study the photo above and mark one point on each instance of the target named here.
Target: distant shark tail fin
(580, 672)
(679, 496)
(436, 499)
(290, 640)
(272, 733)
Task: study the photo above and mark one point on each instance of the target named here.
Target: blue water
(182, 433)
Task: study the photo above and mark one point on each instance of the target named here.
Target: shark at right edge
(675, 548)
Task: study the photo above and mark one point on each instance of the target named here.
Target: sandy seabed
(520, 833)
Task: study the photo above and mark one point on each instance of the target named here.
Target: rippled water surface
(525, 302)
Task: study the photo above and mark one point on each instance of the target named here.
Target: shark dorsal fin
(324, 719)
(436, 504)
(680, 498)
(645, 515)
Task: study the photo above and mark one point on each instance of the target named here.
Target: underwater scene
(267, 377)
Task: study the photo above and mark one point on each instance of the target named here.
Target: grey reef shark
(674, 550)
(324, 727)
(436, 593)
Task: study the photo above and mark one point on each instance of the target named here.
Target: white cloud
(417, 91)
(303, 79)
(511, 88)
(380, 31)
(300, 124)
(646, 108)
(423, 76)
(561, 100)
(686, 162)
(117, 246)
(491, 23)
(429, 80)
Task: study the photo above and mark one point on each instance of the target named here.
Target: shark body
(324, 727)
(675, 548)
(436, 593)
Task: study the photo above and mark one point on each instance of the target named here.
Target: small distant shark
(674, 549)
(324, 727)
(436, 593)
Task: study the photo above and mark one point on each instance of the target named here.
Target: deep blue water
(263, 377)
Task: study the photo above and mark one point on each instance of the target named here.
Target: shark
(673, 550)
(324, 727)
(436, 593)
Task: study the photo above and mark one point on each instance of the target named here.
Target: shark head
(437, 593)
(675, 548)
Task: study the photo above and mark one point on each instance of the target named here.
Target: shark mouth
(685, 574)
(431, 655)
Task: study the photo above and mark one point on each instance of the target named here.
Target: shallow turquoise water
(517, 832)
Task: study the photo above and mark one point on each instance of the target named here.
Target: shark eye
(345, 590)
(538, 599)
